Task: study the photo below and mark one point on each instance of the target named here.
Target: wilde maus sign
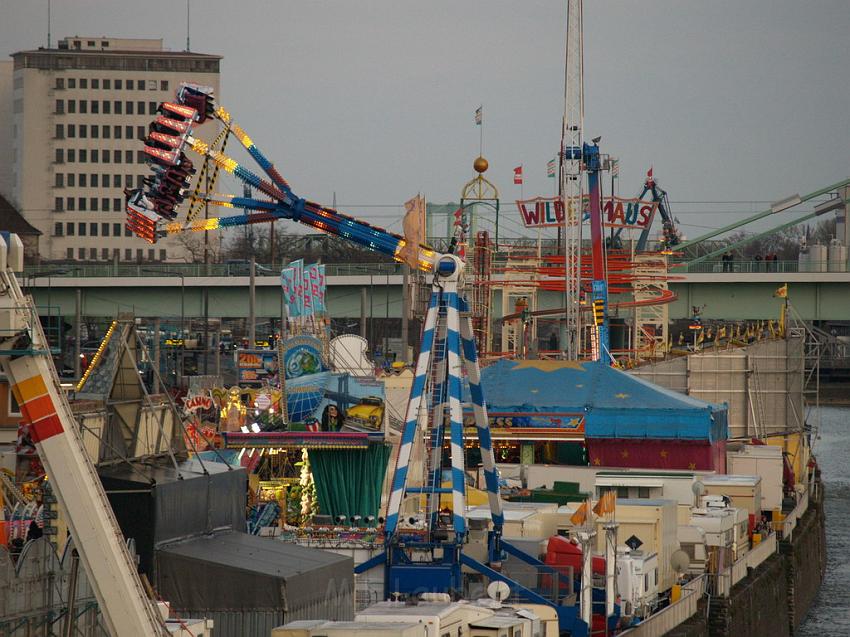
(548, 212)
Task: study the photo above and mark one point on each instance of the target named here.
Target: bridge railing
(750, 267)
(188, 270)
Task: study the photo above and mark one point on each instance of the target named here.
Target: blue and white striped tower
(448, 350)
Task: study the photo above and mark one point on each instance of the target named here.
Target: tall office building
(78, 113)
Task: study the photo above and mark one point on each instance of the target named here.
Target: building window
(151, 85)
(60, 156)
(59, 180)
(163, 85)
(60, 131)
(107, 85)
(119, 84)
(116, 132)
(128, 156)
(57, 229)
(69, 229)
(69, 205)
(69, 253)
(107, 132)
(151, 254)
(95, 155)
(116, 156)
(83, 180)
(162, 255)
(104, 228)
(127, 232)
(140, 181)
(128, 107)
(93, 229)
(105, 45)
(140, 157)
(128, 132)
(116, 253)
(81, 229)
(140, 108)
(128, 181)
(72, 106)
(72, 155)
(72, 180)
(95, 131)
(104, 253)
(104, 178)
(60, 83)
(84, 106)
(104, 203)
(107, 108)
(140, 85)
(95, 83)
(128, 254)
(116, 181)
(84, 83)
(116, 229)
(95, 106)
(60, 107)
(117, 107)
(93, 254)
(93, 180)
(93, 206)
(84, 156)
(84, 131)
(81, 205)
(140, 254)
(72, 82)
(140, 132)
(72, 130)
(58, 206)
(89, 43)
(116, 204)
(151, 108)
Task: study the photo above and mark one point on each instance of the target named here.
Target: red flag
(518, 175)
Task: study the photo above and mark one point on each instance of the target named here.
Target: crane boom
(25, 360)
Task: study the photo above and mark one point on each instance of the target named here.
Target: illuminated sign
(548, 212)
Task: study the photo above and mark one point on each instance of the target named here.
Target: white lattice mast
(571, 175)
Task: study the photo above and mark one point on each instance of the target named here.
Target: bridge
(357, 290)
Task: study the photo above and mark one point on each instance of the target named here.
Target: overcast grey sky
(374, 99)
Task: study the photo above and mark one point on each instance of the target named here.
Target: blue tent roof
(615, 404)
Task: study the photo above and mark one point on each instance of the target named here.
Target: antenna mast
(571, 176)
(187, 27)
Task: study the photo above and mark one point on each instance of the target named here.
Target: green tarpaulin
(349, 481)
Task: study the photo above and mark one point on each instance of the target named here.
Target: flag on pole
(606, 504)
(518, 175)
(615, 167)
(479, 115)
(551, 168)
(580, 516)
(782, 292)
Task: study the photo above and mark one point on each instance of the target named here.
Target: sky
(735, 104)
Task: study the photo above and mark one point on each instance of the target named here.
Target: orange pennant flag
(606, 503)
(580, 516)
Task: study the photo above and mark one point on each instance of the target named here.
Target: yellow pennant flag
(782, 292)
(606, 504)
(580, 516)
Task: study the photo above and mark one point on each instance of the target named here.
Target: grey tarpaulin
(238, 572)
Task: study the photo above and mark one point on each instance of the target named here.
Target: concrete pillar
(78, 333)
(252, 309)
(405, 312)
(156, 352)
(363, 312)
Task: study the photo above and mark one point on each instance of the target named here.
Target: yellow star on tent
(597, 461)
(625, 453)
(663, 453)
(692, 465)
(621, 396)
(574, 422)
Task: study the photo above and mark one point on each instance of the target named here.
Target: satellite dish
(680, 561)
(498, 591)
(698, 488)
